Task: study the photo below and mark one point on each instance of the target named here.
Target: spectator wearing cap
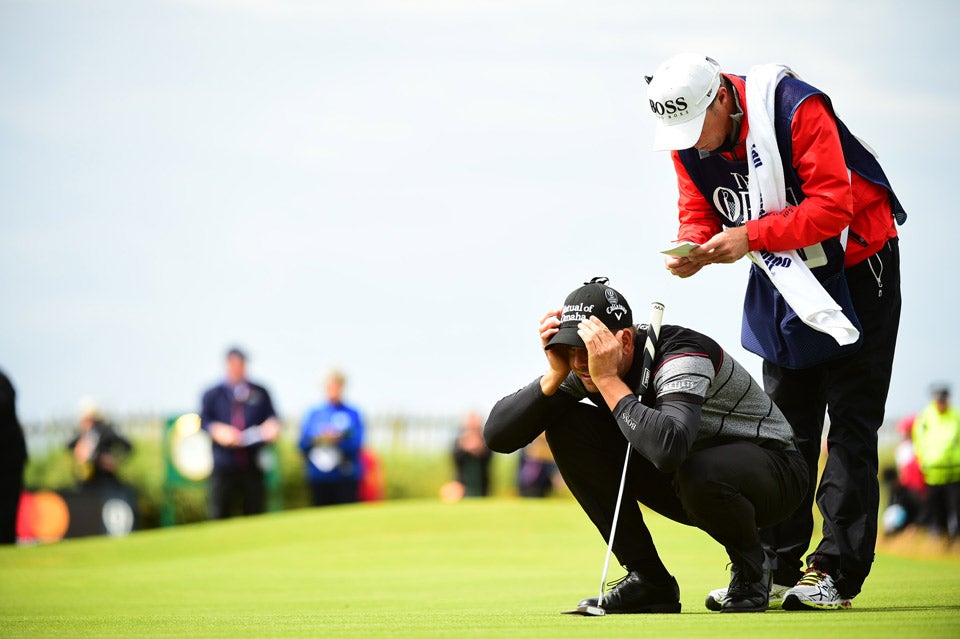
(240, 418)
(708, 447)
(97, 447)
(766, 168)
(936, 442)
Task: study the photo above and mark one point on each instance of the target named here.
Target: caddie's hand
(681, 266)
(557, 358)
(604, 350)
(723, 248)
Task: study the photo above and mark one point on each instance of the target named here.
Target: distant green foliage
(415, 475)
(409, 474)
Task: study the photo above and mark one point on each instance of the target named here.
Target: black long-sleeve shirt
(699, 397)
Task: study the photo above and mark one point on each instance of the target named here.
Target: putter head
(586, 611)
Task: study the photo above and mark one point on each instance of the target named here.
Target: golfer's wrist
(612, 389)
(551, 381)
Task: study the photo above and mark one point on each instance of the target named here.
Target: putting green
(477, 568)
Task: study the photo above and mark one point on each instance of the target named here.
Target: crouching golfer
(709, 447)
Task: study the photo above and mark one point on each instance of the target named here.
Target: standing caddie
(767, 169)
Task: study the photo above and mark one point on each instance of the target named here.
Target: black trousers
(11, 485)
(853, 390)
(727, 490)
(941, 510)
(229, 486)
(331, 493)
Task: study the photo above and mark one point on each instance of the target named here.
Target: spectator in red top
(905, 483)
(835, 188)
(908, 468)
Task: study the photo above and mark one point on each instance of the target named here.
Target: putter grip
(650, 344)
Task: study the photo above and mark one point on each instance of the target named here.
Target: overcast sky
(401, 189)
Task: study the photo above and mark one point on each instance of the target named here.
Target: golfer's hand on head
(559, 364)
(604, 350)
(723, 248)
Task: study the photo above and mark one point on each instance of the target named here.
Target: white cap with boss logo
(680, 91)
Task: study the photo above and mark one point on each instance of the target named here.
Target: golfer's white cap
(680, 91)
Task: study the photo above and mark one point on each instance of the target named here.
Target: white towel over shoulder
(801, 290)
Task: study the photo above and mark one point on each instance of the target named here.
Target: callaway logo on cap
(680, 91)
(593, 298)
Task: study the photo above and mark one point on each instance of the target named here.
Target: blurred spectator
(537, 471)
(13, 458)
(240, 418)
(97, 448)
(471, 457)
(905, 483)
(331, 438)
(936, 440)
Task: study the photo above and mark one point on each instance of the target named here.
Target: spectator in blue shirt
(331, 437)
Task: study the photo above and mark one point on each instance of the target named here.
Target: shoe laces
(616, 582)
(738, 582)
(813, 577)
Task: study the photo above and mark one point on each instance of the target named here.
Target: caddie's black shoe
(744, 595)
(634, 595)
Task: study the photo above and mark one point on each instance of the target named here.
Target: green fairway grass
(478, 568)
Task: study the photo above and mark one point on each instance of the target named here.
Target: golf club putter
(649, 350)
